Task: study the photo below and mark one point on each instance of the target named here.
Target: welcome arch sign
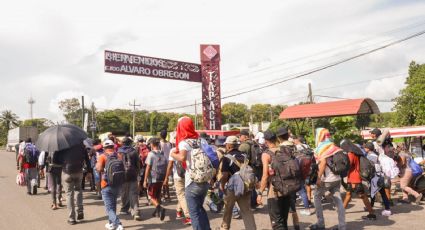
(207, 73)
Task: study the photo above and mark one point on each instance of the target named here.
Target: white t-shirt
(260, 138)
(183, 145)
(166, 148)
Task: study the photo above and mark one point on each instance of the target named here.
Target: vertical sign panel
(211, 96)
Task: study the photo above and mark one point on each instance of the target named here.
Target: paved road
(20, 211)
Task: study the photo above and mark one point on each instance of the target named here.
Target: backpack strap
(233, 159)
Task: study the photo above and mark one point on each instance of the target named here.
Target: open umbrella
(60, 137)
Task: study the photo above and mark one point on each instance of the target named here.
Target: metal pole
(196, 116)
(82, 112)
(93, 120)
(134, 117)
(310, 95)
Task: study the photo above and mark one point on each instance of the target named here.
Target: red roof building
(331, 109)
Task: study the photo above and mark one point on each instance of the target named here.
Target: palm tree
(9, 119)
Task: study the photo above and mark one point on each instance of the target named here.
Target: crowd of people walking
(231, 174)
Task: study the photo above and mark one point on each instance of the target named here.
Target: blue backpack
(31, 154)
(212, 155)
(416, 168)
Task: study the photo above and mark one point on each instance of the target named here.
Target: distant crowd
(235, 175)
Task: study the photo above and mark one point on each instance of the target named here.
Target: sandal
(54, 207)
(60, 204)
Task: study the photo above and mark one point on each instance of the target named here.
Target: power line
(410, 26)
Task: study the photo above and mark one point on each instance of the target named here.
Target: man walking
(74, 159)
(110, 191)
(28, 164)
(231, 165)
(129, 193)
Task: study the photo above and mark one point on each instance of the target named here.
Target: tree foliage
(41, 123)
(9, 119)
(410, 104)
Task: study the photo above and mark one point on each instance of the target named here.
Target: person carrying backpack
(236, 186)
(284, 161)
(129, 191)
(377, 183)
(156, 168)
(354, 178)
(111, 168)
(165, 147)
(332, 162)
(199, 171)
(278, 204)
(253, 152)
(406, 175)
(28, 165)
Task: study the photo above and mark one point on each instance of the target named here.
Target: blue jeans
(303, 194)
(195, 196)
(110, 195)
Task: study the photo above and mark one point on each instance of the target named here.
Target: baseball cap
(154, 140)
(269, 135)
(108, 143)
(370, 146)
(231, 140)
(376, 131)
(245, 132)
(282, 131)
(127, 140)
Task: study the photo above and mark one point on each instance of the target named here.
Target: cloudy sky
(53, 50)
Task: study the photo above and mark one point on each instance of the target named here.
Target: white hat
(108, 143)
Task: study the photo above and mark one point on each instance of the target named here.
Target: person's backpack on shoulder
(339, 164)
(201, 168)
(31, 154)
(159, 166)
(129, 167)
(245, 172)
(416, 168)
(287, 173)
(114, 170)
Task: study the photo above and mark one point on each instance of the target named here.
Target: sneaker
(72, 222)
(161, 213)
(110, 226)
(305, 212)
(80, 216)
(179, 214)
(316, 227)
(369, 217)
(137, 217)
(418, 199)
(120, 227)
(386, 213)
(187, 221)
(123, 212)
(236, 216)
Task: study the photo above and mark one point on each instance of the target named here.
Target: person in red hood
(194, 192)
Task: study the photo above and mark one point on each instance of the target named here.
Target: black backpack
(31, 154)
(255, 158)
(339, 164)
(159, 166)
(367, 169)
(287, 173)
(114, 170)
(129, 167)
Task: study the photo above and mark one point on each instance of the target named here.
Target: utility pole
(134, 116)
(310, 98)
(196, 116)
(93, 120)
(82, 112)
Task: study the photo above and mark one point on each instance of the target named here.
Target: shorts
(154, 190)
(355, 188)
(292, 203)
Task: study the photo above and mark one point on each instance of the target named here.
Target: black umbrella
(60, 137)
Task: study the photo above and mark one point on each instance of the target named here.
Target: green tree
(113, 121)
(235, 113)
(344, 127)
(410, 104)
(71, 109)
(9, 119)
